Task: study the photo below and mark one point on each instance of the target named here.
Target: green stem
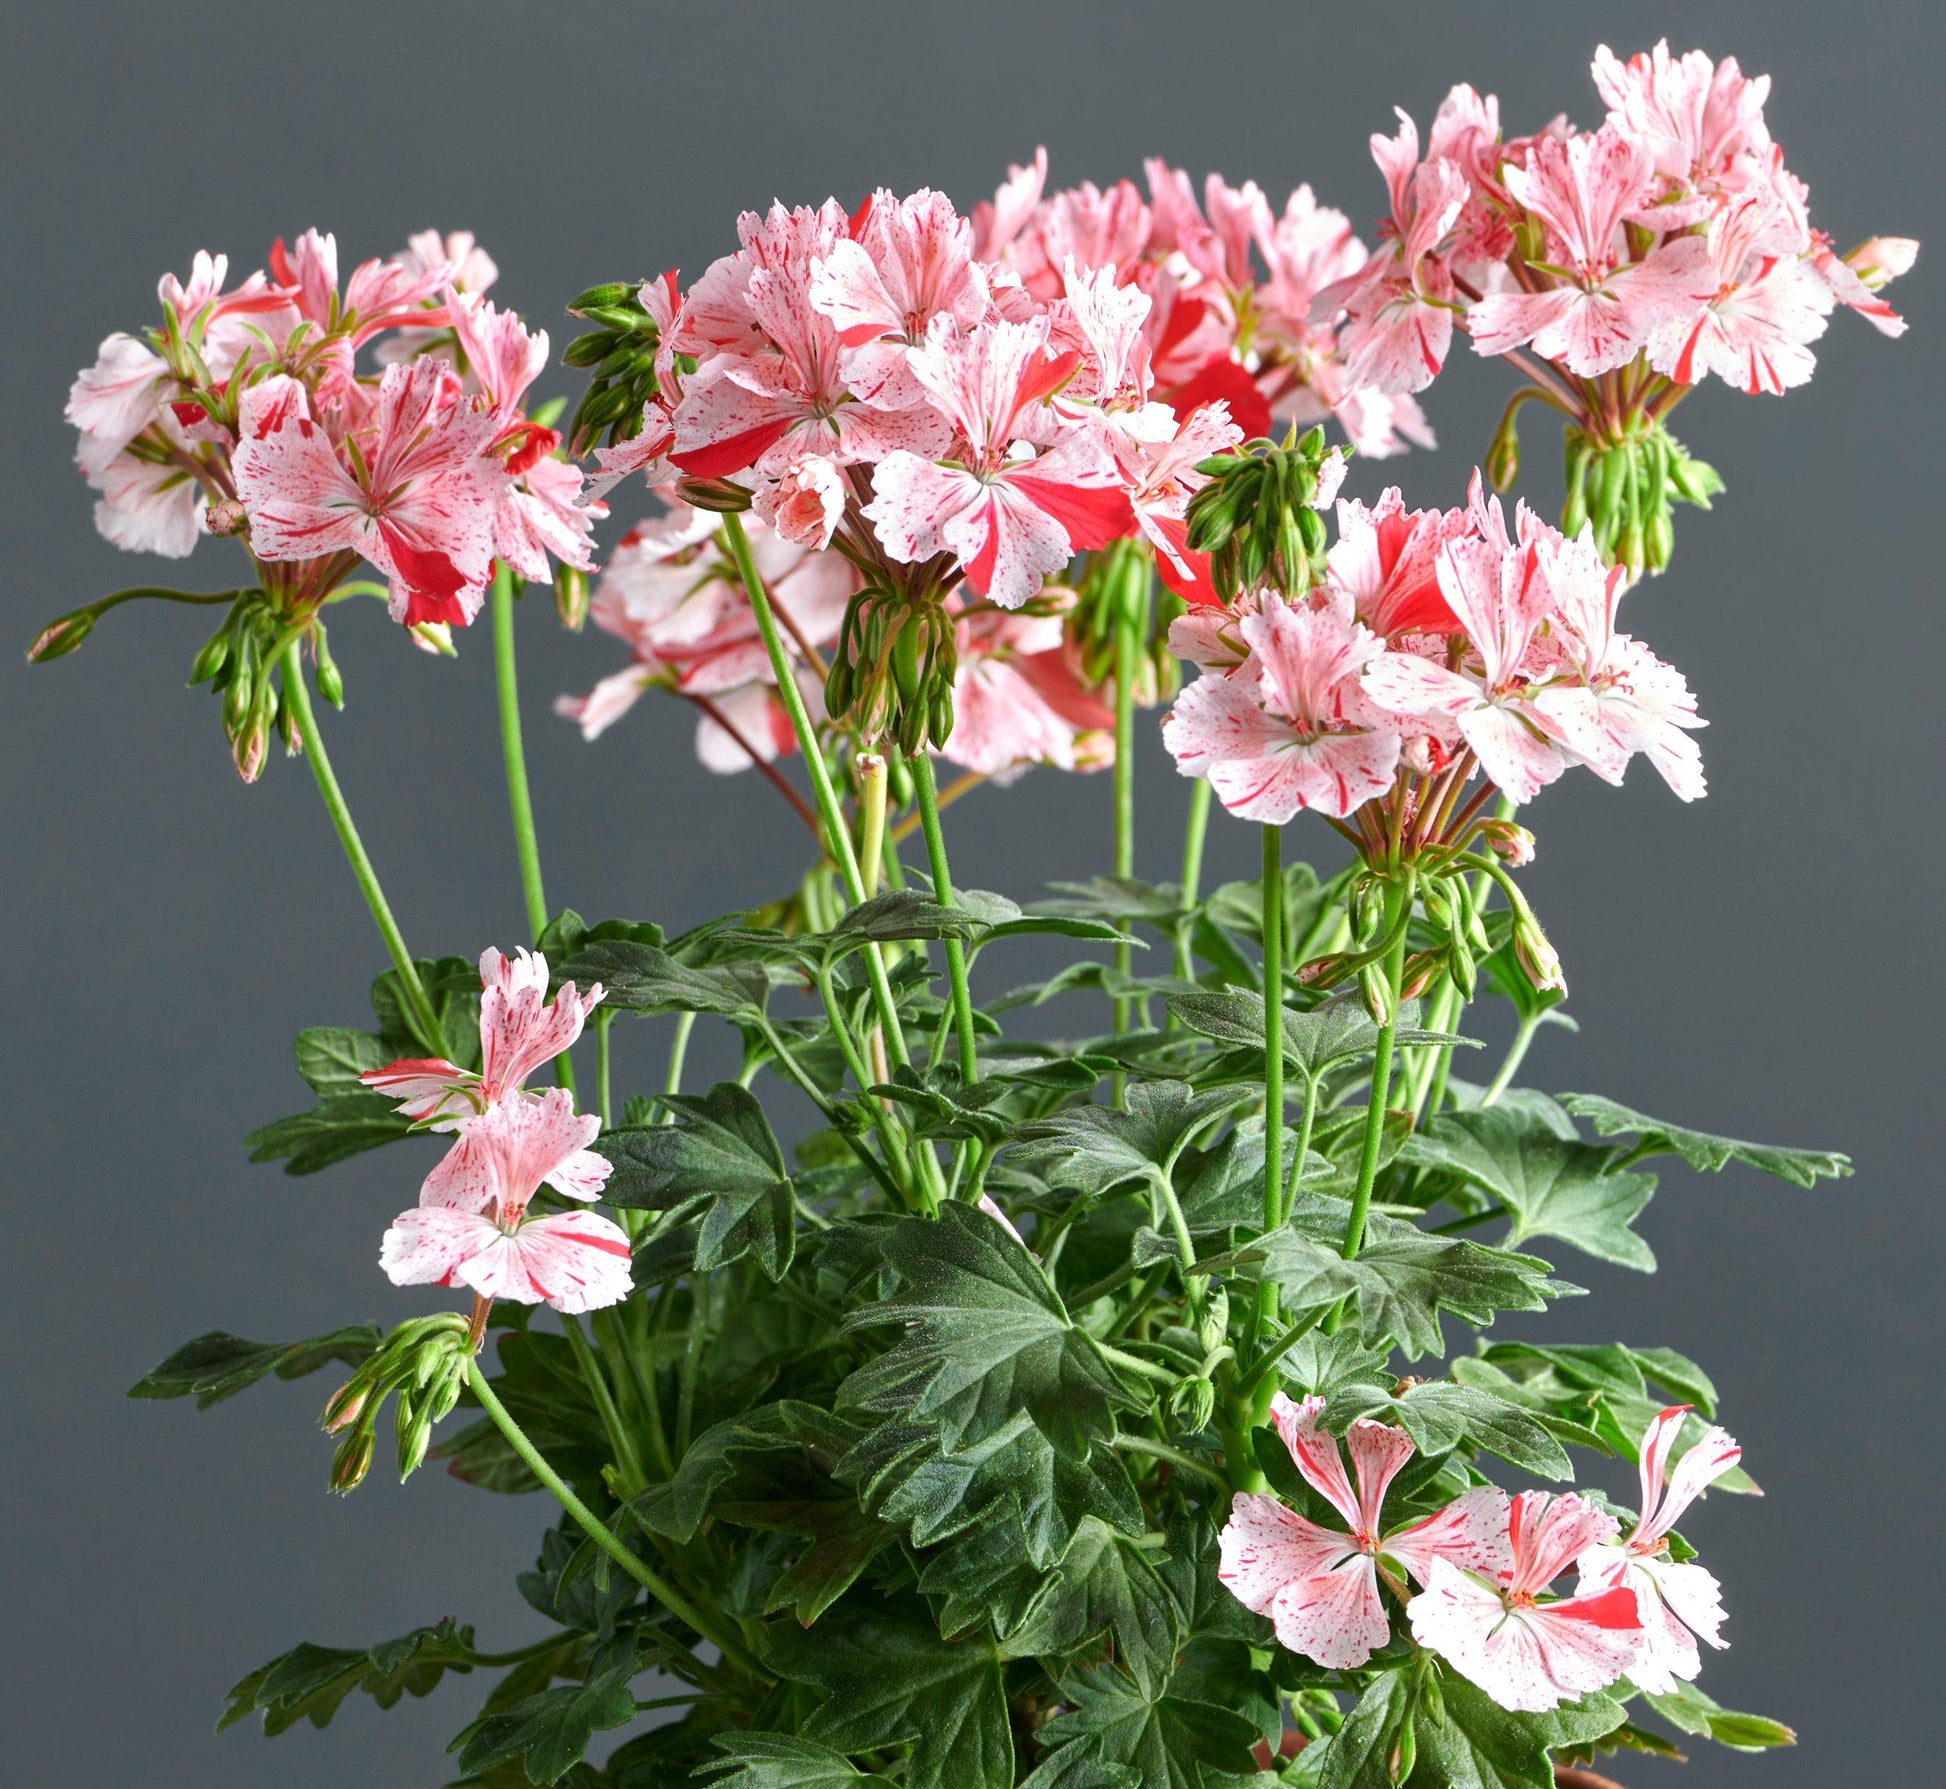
(1146, 1369)
(626, 1457)
(599, 1532)
(1194, 833)
(1361, 1199)
(1174, 1456)
(1265, 1311)
(1516, 1054)
(678, 1051)
(299, 699)
(1304, 1129)
(1128, 648)
(920, 764)
(604, 1096)
(512, 750)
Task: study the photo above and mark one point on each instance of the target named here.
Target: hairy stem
(418, 1007)
(1398, 901)
(1128, 647)
(1273, 925)
(626, 1458)
(1195, 831)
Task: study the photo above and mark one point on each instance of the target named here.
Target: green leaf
(1551, 1187)
(987, 1336)
(341, 1125)
(1439, 1416)
(219, 1365)
(452, 989)
(1692, 1711)
(1402, 1279)
(1118, 898)
(645, 979)
(1706, 1153)
(1678, 1374)
(1475, 1743)
(331, 1058)
(1104, 1586)
(1171, 1741)
(550, 1731)
(897, 915)
(310, 1682)
(780, 1761)
(575, 1584)
(1080, 1765)
(1359, 1754)
(719, 1148)
(1338, 1031)
(1094, 1149)
(885, 1677)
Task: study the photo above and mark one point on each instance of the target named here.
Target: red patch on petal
(1225, 380)
(734, 453)
(432, 581)
(979, 569)
(1615, 1608)
(1092, 517)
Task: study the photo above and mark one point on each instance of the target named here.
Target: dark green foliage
(219, 1365)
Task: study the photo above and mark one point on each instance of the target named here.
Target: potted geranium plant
(1073, 1413)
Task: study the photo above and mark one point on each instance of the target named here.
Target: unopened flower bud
(1194, 1402)
(1376, 993)
(1214, 1328)
(570, 595)
(718, 495)
(435, 637)
(60, 637)
(331, 682)
(606, 296)
(1509, 841)
(227, 517)
(346, 1405)
(1420, 969)
(1538, 959)
(214, 655)
(1503, 453)
(352, 1461)
(1322, 972)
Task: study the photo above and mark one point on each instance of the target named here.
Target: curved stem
(599, 1532)
(758, 762)
(678, 1050)
(599, 1390)
(298, 697)
(1173, 1456)
(1304, 1130)
(1273, 927)
(1516, 1054)
(920, 763)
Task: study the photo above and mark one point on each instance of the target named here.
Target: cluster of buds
(1117, 599)
(1258, 519)
(1626, 488)
(893, 668)
(619, 356)
(424, 1362)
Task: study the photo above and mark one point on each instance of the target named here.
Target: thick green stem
(1128, 650)
(424, 1022)
(1304, 1129)
(717, 1633)
(837, 836)
(920, 764)
(1361, 1199)
(604, 1093)
(1195, 831)
(519, 800)
(1173, 1456)
(1273, 927)
(678, 1050)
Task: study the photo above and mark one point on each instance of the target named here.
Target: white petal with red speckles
(1337, 1619)
(1265, 1546)
(1471, 1532)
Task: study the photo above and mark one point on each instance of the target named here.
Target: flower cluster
(471, 1226)
(245, 413)
(1486, 1563)
(1437, 642)
(1674, 232)
(1616, 268)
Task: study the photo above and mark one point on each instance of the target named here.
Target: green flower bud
(603, 297)
(60, 637)
(352, 1461)
(592, 349)
(212, 658)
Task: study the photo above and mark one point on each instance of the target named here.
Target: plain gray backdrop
(1765, 962)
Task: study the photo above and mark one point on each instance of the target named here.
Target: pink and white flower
(520, 1031)
(1502, 1631)
(418, 501)
(1290, 728)
(1679, 1604)
(1018, 698)
(471, 1226)
(1320, 1586)
(1011, 516)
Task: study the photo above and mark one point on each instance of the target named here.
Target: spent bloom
(1320, 1586)
(1502, 1631)
(1680, 1602)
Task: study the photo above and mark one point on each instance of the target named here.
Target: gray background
(1766, 961)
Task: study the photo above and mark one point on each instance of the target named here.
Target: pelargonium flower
(673, 594)
(1011, 516)
(1679, 1604)
(1290, 728)
(1018, 697)
(417, 499)
(1502, 1631)
(471, 1226)
(520, 1032)
(1320, 1586)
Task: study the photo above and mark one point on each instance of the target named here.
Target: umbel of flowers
(1069, 1414)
